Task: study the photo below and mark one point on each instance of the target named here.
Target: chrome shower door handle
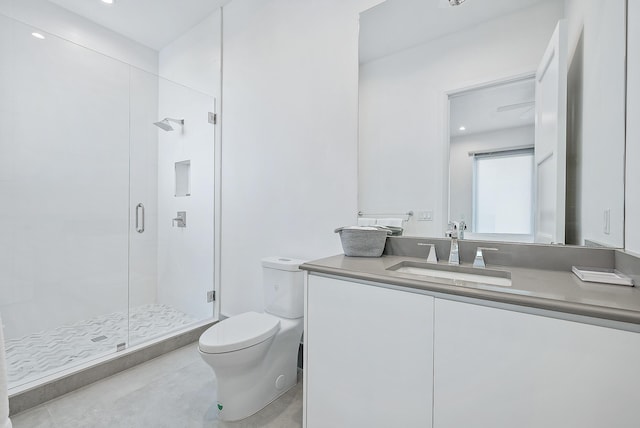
(139, 217)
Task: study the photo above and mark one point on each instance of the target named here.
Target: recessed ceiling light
(462, 128)
(37, 36)
(108, 1)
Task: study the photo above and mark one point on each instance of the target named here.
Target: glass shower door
(64, 186)
(172, 216)
(91, 258)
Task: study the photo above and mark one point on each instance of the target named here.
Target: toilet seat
(238, 332)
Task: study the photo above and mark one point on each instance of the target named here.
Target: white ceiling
(477, 110)
(153, 23)
(396, 25)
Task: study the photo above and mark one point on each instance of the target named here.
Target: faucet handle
(180, 220)
(452, 230)
(432, 256)
(479, 260)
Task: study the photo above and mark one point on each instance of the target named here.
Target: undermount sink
(458, 275)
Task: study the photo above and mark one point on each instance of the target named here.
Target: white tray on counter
(603, 275)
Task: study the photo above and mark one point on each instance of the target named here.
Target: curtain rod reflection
(407, 214)
(503, 151)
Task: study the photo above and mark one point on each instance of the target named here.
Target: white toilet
(254, 355)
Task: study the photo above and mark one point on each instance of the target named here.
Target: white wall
(632, 231)
(186, 255)
(193, 59)
(596, 120)
(289, 148)
(461, 164)
(403, 154)
(48, 17)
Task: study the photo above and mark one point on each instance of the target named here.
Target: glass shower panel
(171, 269)
(64, 186)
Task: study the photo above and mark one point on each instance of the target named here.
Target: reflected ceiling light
(456, 2)
(38, 36)
(113, 1)
(462, 128)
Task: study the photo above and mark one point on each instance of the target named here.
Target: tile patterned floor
(176, 390)
(43, 353)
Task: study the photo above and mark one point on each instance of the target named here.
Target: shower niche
(183, 178)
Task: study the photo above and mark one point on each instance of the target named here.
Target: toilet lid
(238, 332)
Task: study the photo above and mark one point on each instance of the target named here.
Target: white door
(550, 143)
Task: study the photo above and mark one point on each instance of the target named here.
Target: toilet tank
(283, 283)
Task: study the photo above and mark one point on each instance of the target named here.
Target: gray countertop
(537, 288)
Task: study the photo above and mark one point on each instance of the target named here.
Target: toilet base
(234, 408)
(250, 379)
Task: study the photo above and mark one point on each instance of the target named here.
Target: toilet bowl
(254, 355)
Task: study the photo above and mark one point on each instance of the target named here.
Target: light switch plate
(425, 215)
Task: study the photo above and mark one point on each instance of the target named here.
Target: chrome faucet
(479, 260)
(452, 232)
(454, 256)
(462, 226)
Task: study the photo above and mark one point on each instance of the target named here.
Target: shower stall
(92, 261)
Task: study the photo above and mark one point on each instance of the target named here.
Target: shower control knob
(180, 220)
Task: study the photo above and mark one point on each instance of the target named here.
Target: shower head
(166, 126)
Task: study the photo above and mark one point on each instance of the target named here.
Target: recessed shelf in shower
(183, 178)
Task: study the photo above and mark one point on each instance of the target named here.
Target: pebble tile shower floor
(43, 353)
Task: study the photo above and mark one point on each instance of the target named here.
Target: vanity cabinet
(385, 356)
(369, 356)
(503, 369)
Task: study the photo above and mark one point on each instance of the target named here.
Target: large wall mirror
(505, 116)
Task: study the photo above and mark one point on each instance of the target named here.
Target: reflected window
(503, 192)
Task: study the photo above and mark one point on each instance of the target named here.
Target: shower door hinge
(213, 118)
(121, 347)
(211, 296)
